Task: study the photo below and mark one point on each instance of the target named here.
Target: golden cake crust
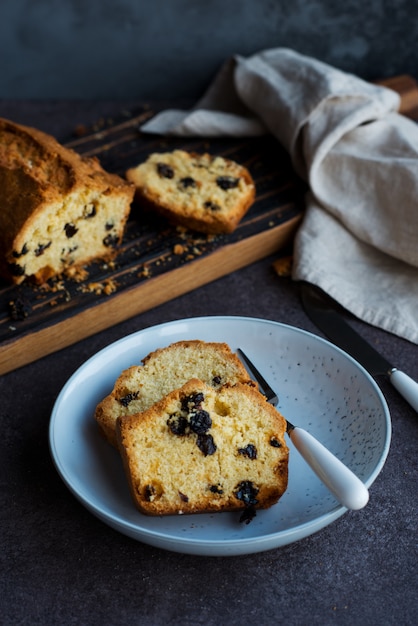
(51, 197)
(201, 450)
(162, 371)
(202, 192)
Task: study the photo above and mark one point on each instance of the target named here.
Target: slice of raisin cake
(202, 192)
(58, 209)
(164, 370)
(201, 450)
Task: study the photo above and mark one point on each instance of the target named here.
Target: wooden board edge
(407, 88)
(156, 291)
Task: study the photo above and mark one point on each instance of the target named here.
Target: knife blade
(322, 310)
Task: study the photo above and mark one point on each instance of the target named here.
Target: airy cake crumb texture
(207, 193)
(164, 370)
(202, 449)
(59, 210)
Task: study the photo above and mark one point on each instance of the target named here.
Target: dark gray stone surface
(61, 565)
(158, 49)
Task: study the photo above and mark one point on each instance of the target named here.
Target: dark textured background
(165, 49)
(59, 564)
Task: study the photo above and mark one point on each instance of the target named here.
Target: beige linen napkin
(359, 237)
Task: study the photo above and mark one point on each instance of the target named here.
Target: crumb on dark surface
(20, 308)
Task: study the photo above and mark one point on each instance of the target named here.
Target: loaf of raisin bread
(58, 210)
(202, 450)
(164, 370)
(206, 193)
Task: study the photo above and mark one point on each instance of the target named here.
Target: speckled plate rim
(73, 433)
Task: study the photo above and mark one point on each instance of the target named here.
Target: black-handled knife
(322, 311)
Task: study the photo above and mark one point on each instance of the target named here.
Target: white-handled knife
(322, 311)
(340, 480)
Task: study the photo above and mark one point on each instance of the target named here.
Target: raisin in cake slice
(206, 193)
(58, 209)
(164, 370)
(201, 450)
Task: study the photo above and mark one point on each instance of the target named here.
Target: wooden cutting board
(157, 262)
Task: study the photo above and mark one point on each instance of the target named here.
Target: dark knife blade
(322, 310)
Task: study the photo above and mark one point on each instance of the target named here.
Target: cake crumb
(283, 266)
(146, 273)
(106, 287)
(77, 274)
(178, 249)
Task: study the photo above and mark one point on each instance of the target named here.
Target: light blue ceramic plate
(320, 388)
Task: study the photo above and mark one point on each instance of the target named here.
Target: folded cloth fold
(359, 237)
